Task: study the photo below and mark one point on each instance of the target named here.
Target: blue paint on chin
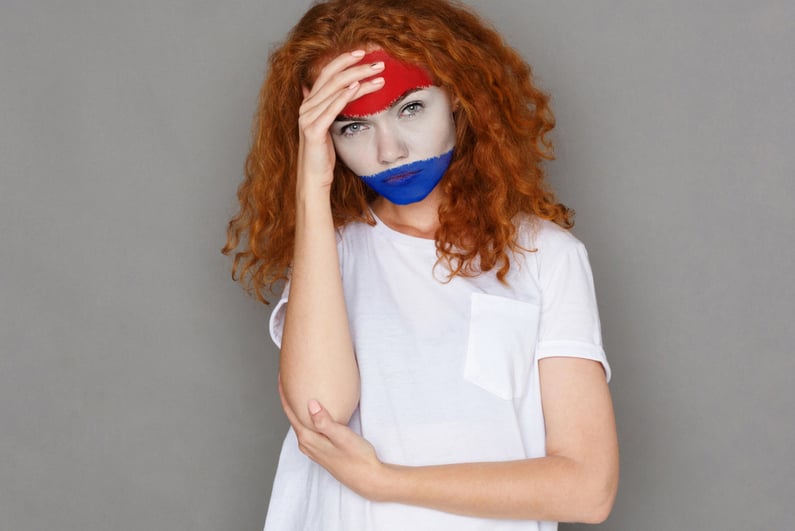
(411, 182)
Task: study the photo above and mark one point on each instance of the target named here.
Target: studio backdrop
(138, 382)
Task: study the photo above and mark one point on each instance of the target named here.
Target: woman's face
(418, 126)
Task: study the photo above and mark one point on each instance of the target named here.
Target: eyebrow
(409, 92)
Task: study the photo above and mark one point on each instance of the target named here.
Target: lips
(399, 178)
(410, 182)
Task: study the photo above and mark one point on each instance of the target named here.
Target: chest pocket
(501, 344)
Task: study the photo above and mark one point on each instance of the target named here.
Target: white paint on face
(418, 126)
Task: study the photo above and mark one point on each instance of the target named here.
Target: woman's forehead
(399, 79)
(425, 92)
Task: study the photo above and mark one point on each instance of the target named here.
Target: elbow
(339, 405)
(598, 513)
(601, 497)
(342, 413)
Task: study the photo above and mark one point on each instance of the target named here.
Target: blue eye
(352, 129)
(410, 109)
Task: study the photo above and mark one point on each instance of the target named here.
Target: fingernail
(353, 85)
(358, 53)
(377, 81)
(377, 66)
(314, 407)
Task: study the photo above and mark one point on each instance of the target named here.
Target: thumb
(321, 418)
(314, 407)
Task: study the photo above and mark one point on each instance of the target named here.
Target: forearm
(317, 359)
(552, 488)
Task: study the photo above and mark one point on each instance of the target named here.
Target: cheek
(352, 154)
(449, 131)
(436, 136)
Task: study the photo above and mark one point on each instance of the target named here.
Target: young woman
(441, 361)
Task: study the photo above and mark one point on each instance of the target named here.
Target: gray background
(137, 382)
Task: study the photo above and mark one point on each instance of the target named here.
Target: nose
(390, 145)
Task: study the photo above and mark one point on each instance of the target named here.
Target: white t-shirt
(449, 371)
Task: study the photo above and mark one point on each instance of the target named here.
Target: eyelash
(404, 113)
(346, 130)
(419, 107)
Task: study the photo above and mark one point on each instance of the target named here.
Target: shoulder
(353, 238)
(554, 255)
(352, 231)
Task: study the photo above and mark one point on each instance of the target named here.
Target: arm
(575, 481)
(317, 359)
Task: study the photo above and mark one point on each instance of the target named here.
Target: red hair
(502, 120)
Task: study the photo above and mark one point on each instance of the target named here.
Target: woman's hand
(339, 83)
(334, 446)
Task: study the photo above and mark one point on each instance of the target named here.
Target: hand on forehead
(399, 77)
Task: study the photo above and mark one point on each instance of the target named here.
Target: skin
(577, 479)
(321, 364)
(416, 127)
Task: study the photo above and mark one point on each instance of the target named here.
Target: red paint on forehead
(398, 78)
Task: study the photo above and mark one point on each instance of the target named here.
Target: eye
(352, 129)
(410, 109)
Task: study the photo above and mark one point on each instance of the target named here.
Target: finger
(322, 91)
(321, 419)
(314, 407)
(323, 422)
(308, 440)
(312, 110)
(319, 415)
(324, 115)
(345, 77)
(338, 64)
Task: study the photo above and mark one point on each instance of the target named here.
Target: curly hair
(501, 119)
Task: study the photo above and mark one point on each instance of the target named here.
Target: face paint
(400, 138)
(398, 77)
(411, 182)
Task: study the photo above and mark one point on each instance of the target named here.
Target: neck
(419, 219)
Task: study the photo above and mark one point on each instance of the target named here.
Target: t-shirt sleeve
(570, 324)
(276, 323)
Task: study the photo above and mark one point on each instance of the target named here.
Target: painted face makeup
(398, 76)
(411, 182)
(399, 139)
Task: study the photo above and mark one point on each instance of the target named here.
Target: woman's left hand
(334, 446)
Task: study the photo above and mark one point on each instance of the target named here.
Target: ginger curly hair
(502, 120)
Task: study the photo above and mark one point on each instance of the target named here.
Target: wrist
(306, 193)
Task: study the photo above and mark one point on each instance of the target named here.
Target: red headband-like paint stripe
(399, 77)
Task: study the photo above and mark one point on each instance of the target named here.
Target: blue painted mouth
(411, 182)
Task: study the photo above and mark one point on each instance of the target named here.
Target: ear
(455, 103)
